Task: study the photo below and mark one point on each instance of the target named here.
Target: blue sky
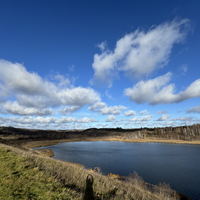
(82, 64)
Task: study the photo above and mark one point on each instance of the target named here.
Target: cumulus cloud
(87, 120)
(15, 78)
(158, 91)
(144, 112)
(62, 81)
(163, 118)
(139, 53)
(167, 96)
(195, 109)
(31, 91)
(68, 110)
(43, 121)
(115, 110)
(145, 118)
(162, 112)
(130, 113)
(102, 108)
(143, 91)
(16, 109)
(97, 106)
(110, 118)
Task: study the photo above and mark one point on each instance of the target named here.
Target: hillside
(19, 135)
(26, 175)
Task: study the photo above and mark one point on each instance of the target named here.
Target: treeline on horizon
(180, 132)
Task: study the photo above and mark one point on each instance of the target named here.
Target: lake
(175, 164)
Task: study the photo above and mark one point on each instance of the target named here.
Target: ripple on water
(175, 164)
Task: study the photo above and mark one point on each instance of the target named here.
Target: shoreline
(43, 143)
(111, 180)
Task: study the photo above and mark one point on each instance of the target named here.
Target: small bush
(136, 180)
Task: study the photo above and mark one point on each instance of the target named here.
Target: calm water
(176, 164)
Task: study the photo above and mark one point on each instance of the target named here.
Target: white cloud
(16, 109)
(68, 110)
(15, 78)
(143, 91)
(77, 96)
(115, 110)
(145, 118)
(130, 113)
(102, 46)
(144, 112)
(162, 112)
(112, 110)
(41, 121)
(62, 80)
(158, 91)
(74, 97)
(63, 120)
(31, 91)
(110, 118)
(97, 106)
(87, 120)
(195, 109)
(105, 110)
(141, 52)
(167, 96)
(163, 118)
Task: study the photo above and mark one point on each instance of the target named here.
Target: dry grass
(19, 180)
(152, 140)
(73, 177)
(46, 152)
